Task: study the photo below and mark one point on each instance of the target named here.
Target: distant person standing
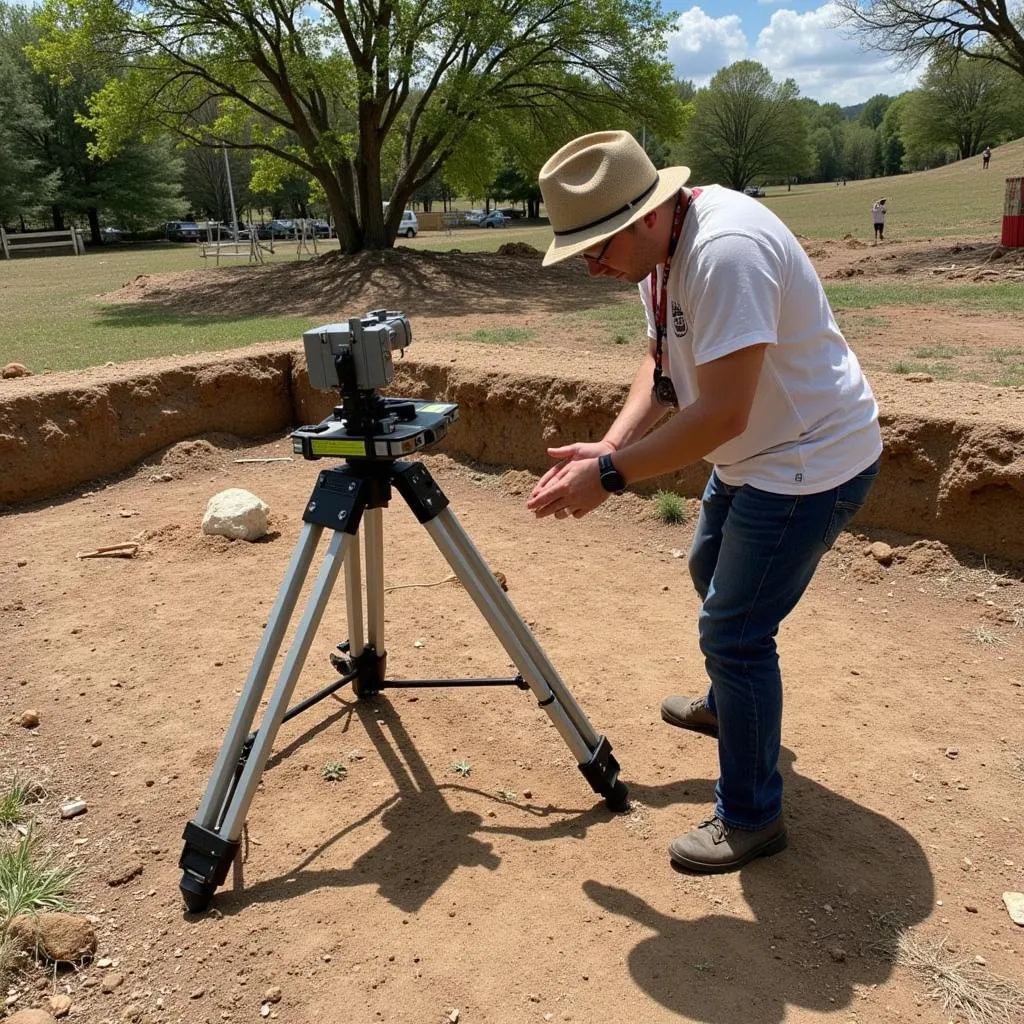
(986, 155)
(878, 217)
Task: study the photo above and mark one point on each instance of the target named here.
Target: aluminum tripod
(340, 499)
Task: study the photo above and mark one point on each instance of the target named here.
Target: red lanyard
(659, 297)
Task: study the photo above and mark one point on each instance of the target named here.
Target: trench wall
(953, 468)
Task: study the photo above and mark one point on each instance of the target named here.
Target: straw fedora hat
(597, 185)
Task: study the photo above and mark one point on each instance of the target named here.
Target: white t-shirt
(739, 277)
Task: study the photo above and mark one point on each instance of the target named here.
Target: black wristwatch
(611, 479)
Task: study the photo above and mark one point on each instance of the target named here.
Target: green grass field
(51, 316)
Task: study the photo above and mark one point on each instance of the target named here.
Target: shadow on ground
(418, 282)
(822, 913)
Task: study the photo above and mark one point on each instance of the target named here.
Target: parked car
(495, 219)
(511, 213)
(111, 234)
(280, 228)
(409, 225)
(322, 228)
(754, 190)
(475, 216)
(181, 231)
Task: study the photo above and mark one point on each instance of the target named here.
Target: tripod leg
(209, 851)
(592, 752)
(374, 528)
(256, 682)
(354, 599)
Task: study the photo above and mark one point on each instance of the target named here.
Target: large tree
(25, 187)
(962, 104)
(329, 85)
(916, 29)
(134, 188)
(746, 126)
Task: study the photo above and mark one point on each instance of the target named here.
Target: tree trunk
(58, 217)
(94, 226)
(375, 233)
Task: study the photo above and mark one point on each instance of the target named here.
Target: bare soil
(408, 890)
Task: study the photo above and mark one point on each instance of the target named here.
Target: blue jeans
(753, 555)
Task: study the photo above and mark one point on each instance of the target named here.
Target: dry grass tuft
(963, 987)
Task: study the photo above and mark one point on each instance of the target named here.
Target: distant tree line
(112, 116)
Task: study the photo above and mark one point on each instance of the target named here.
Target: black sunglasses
(600, 256)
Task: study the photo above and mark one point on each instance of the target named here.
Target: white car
(475, 216)
(409, 225)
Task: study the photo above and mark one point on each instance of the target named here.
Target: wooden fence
(35, 241)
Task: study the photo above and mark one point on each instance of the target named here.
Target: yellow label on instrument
(326, 446)
(435, 407)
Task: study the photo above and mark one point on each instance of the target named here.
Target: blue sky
(793, 40)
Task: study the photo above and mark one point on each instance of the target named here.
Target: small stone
(96, 742)
(238, 514)
(881, 552)
(971, 908)
(29, 1017)
(124, 871)
(265, 1010)
(273, 994)
(12, 370)
(29, 718)
(527, 793)
(419, 643)
(22, 562)
(920, 378)
(63, 938)
(197, 993)
(980, 961)
(111, 982)
(1014, 902)
(60, 1004)
(453, 1016)
(952, 753)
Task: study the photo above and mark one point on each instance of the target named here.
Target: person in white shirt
(743, 343)
(878, 219)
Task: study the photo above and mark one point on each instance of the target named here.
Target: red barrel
(1013, 214)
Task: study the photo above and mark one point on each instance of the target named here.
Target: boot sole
(704, 730)
(772, 846)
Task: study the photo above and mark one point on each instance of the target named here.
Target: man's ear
(651, 218)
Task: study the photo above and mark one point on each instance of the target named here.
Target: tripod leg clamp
(207, 856)
(602, 770)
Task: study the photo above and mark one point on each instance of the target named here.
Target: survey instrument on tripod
(371, 433)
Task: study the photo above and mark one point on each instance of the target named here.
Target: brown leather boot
(714, 846)
(690, 713)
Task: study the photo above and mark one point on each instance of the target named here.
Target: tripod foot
(618, 799)
(196, 894)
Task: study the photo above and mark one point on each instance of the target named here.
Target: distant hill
(852, 113)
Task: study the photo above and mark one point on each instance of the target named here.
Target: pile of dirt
(419, 282)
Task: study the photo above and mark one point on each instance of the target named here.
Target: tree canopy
(989, 29)
(746, 126)
(351, 92)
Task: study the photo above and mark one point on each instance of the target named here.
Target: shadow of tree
(815, 933)
(420, 283)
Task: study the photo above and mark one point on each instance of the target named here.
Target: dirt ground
(505, 892)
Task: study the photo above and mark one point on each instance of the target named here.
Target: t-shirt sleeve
(644, 287)
(735, 288)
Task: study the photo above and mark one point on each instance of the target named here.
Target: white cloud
(827, 65)
(699, 46)
(810, 48)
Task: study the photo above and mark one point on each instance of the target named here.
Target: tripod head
(356, 358)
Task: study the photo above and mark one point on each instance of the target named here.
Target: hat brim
(670, 180)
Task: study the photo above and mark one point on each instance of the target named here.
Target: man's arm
(727, 387)
(726, 393)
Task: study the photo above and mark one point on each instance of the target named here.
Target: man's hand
(573, 487)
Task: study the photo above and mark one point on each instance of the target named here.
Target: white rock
(1015, 906)
(237, 514)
